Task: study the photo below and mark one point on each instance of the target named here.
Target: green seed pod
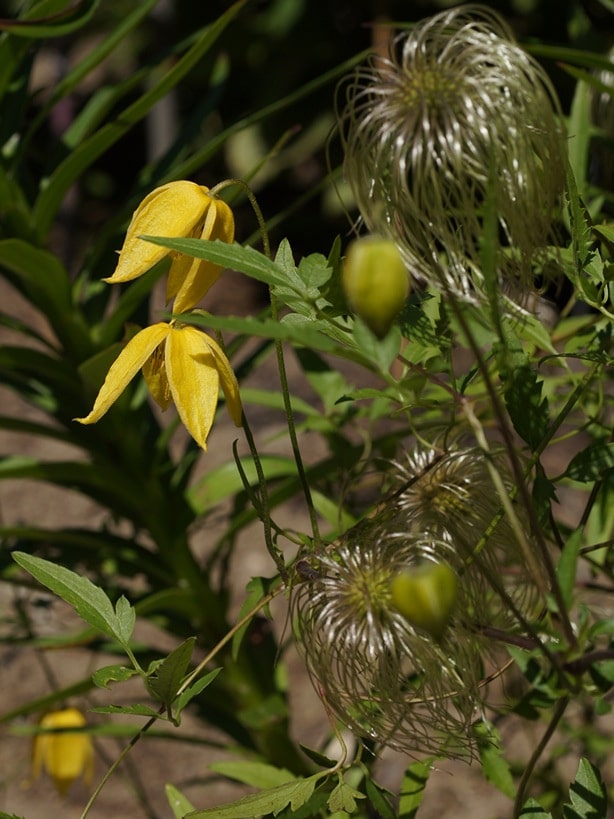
(375, 281)
(426, 596)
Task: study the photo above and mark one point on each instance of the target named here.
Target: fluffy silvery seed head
(382, 677)
(450, 496)
(456, 116)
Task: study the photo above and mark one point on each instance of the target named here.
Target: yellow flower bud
(375, 281)
(426, 596)
(64, 754)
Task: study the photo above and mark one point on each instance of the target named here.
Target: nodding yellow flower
(64, 754)
(176, 210)
(181, 364)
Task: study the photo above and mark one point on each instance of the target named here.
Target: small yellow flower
(181, 364)
(176, 210)
(65, 755)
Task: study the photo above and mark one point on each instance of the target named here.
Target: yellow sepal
(228, 382)
(193, 378)
(125, 367)
(201, 274)
(64, 755)
(171, 211)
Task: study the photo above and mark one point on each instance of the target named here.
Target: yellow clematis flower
(65, 755)
(181, 364)
(176, 210)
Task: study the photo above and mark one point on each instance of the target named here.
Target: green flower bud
(426, 596)
(375, 281)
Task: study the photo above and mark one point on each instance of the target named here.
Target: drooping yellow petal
(177, 272)
(201, 275)
(154, 373)
(64, 755)
(228, 382)
(171, 211)
(193, 378)
(125, 367)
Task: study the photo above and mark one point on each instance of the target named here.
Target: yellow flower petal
(228, 382)
(177, 272)
(125, 367)
(172, 211)
(201, 275)
(64, 755)
(193, 378)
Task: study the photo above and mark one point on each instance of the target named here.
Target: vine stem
(536, 530)
(559, 710)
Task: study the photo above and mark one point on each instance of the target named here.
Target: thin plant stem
(555, 588)
(559, 710)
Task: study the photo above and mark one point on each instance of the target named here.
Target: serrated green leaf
(343, 798)
(568, 561)
(112, 673)
(126, 618)
(257, 774)
(587, 793)
(412, 788)
(273, 800)
(194, 690)
(314, 271)
(592, 463)
(381, 352)
(527, 407)
(179, 804)
(533, 810)
(496, 768)
(379, 798)
(89, 601)
(169, 674)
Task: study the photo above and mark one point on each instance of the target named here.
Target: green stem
(528, 772)
(519, 478)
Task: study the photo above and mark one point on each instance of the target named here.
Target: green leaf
(243, 259)
(568, 561)
(257, 774)
(89, 601)
(55, 25)
(412, 788)
(314, 271)
(194, 690)
(272, 800)
(343, 798)
(257, 589)
(137, 710)
(179, 804)
(588, 795)
(112, 673)
(592, 463)
(496, 768)
(45, 282)
(52, 194)
(533, 810)
(381, 352)
(126, 618)
(379, 798)
(527, 408)
(168, 676)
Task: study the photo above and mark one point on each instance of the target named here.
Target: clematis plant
(180, 363)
